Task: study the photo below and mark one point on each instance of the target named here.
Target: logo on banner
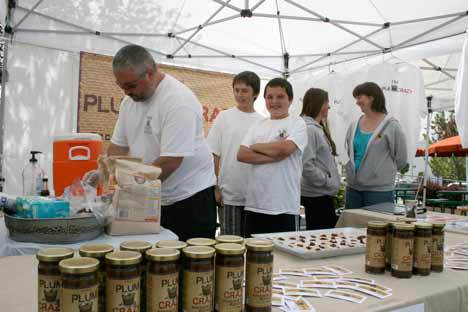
(395, 88)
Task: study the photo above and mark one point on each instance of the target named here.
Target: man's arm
(116, 150)
(168, 165)
(278, 150)
(247, 155)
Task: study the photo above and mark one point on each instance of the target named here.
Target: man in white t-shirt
(274, 148)
(160, 120)
(224, 138)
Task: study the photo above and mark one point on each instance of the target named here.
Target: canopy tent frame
(248, 13)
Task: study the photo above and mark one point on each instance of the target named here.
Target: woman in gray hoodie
(320, 180)
(376, 147)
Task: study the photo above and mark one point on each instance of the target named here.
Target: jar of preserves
(169, 243)
(422, 248)
(163, 280)
(402, 251)
(388, 246)
(49, 280)
(259, 274)
(198, 279)
(201, 241)
(141, 247)
(123, 281)
(438, 238)
(229, 294)
(234, 239)
(375, 247)
(98, 251)
(80, 287)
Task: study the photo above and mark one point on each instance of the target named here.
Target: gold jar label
(229, 291)
(198, 291)
(123, 295)
(163, 292)
(375, 251)
(402, 254)
(422, 252)
(80, 300)
(437, 250)
(258, 284)
(49, 293)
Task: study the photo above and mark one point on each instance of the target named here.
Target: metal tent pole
(426, 151)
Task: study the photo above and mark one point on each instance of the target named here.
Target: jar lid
(200, 241)
(123, 257)
(406, 220)
(135, 245)
(377, 224)
(255, 244)
(199, 252)
(230, 249)
(229, 239)
(79, 265)
(423, 225)
(439, 225)
(54, 254)
(95, 250)
(404, 227)
(171, 244)
(162, 254)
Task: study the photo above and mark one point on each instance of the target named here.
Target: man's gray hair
(133, 57)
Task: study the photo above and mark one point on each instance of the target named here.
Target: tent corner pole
(426, 151)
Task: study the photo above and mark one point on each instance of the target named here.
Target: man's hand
(116, 150)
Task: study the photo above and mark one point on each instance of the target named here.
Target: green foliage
(442, 127)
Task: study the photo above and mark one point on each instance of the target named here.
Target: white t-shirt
(275, 188)
(224, 139)
(170, 123)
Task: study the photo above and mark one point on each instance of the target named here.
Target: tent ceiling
(306, 30)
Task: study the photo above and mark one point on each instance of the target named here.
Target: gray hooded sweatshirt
(319, 174)
(385, 154)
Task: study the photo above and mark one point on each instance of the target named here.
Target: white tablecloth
(9, 247)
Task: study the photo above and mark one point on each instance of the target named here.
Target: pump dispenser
(32, 176)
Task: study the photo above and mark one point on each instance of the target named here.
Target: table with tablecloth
(359, 218)
(446, 291)
(9, 247)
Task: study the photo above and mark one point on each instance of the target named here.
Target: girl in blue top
(376, 147)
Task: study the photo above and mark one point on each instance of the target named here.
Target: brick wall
(99, 96)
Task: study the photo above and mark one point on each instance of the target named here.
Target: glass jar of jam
(259, 274)
(388, 246)
(229, 294)
(169, 243)
(375, 247)
(80, 286)
(229, 239)
(402, 251)
(198, 279)
(141, 247)
(49, 279)
(163, 279)
(98, 251)
(200, 241)
(123, 281)
(438, 237)
(422, 248)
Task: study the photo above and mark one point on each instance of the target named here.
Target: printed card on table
(345, 295)
(305, 292)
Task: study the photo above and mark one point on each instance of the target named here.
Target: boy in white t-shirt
(224, 139)
(274, 148)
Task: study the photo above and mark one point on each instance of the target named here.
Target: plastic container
(74, 154)
(32, 176)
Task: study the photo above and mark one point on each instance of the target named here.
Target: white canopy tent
(295, 38)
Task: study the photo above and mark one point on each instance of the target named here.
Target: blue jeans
(358, 199)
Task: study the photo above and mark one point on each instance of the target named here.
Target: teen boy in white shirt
(274, 148)
(224, 139)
